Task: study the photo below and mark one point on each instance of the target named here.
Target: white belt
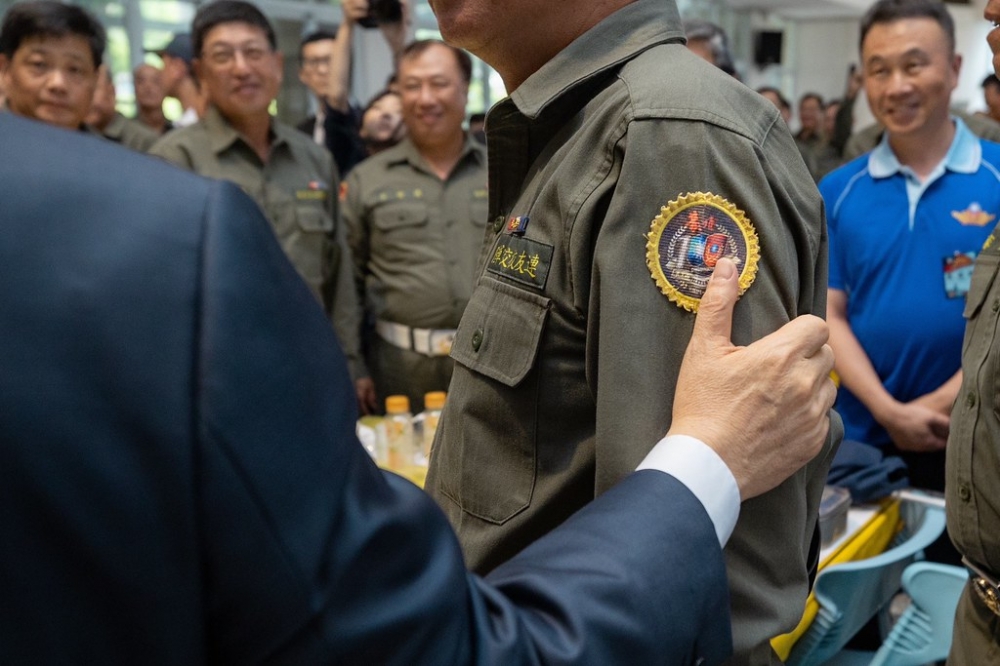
(426, 341)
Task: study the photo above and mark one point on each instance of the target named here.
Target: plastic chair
(852, 593)
(923, 632)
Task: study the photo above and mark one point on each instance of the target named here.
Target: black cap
(179, 47)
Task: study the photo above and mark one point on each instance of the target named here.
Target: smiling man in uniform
(622, 167)
(415, 215)
(292, 179)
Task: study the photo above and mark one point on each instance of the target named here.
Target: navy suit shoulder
(181, 482)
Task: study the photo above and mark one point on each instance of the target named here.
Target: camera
(382, 11)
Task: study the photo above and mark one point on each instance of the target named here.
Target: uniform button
(498, 223)
(477, 340)
(964, 493)
(970, 399)
(996, 306)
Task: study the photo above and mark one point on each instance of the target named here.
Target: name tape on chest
(315, 191)
(687, 239)
(521, 259)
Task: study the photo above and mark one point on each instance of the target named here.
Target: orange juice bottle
(399, 431)
(433, 404)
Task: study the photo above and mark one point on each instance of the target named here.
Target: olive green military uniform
(296, 191)
(129, 133)
(972, 475)
(415, 240)
(809, 148)
(568, 352)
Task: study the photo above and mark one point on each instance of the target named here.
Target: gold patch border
(669, 212)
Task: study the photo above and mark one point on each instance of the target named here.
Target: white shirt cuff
(697, 466)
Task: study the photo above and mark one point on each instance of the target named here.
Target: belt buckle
(986, 588)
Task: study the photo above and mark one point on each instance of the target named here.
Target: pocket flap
(500, 331)
(313, 218)
(396, 216)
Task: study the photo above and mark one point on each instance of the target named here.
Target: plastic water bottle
(399, 432)
(433, 404)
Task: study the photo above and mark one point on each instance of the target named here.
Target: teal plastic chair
(923, 632)
(852, 593)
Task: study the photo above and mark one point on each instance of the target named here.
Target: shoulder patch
(688, 238)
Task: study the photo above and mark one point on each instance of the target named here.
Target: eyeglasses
(223, 56)
(316, 63)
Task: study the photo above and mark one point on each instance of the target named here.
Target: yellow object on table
(416, 474)
(871, 538)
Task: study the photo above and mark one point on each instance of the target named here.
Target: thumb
(715, 312)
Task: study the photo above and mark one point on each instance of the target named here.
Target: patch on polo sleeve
(688, 238)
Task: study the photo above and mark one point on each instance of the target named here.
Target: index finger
(805, 334)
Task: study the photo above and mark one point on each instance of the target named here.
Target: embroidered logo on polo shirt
(688, 238)
(973, 216)
(958, 274)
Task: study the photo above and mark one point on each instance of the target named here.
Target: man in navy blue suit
(180, 481)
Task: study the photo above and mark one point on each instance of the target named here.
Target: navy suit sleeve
(313, 555)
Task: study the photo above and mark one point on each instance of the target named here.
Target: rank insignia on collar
(973, 216)
(688, 238)
(516, 226)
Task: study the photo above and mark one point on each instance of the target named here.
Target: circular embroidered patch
(688, 238)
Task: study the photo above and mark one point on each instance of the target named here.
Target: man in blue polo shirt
(906, 222)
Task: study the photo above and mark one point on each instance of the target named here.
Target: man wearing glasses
(325, 68)
(291, 178)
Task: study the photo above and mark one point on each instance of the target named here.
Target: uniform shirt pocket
(489, 464)
(500, 331)
(400, 217)
(313, 219)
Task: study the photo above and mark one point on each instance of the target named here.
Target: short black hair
(47, 18)
(777, 93)
(315, 36)
(890, 11)
(464, 60)
(991, 80)
(381, 94)
(228, 11)
(815, 96)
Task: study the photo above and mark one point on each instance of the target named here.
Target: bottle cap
(434, 400)
(397, 404)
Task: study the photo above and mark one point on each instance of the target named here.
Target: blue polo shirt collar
(964, 156)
